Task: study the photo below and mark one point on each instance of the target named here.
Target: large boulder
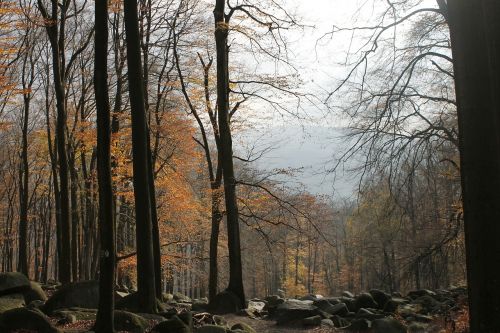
(130, 322)
(35, 293)
(181, 298)
(12, 301)
(339, 309)
(272, 303)
(130, 303)
(294, 310)
(225, 302)
(13, 282)
(26, 319)
(380, 297)
(83, 294)
(365, 300)
(388, 325)
(324, 305)
(392, 305)
(173, 325)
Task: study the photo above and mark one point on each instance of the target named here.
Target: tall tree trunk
(214, 243)
(226, 149)
(145, 259)
(55, 32)
(24, 182)
(107, 261)
(475, 36)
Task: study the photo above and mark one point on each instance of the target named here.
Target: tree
(107, 262)
(146, 287)
(475, 35)
(226, 149)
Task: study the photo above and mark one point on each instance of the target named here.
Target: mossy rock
(211, 329)
(79, 313)
(243, 327)
(10, 302)
(130, 303)
(35, 293)
(173, 325)
(13, 282)
(26, 319)
(130, 322)
(83, 294)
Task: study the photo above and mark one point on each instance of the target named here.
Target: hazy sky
(310, 147)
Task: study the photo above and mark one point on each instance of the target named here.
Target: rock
(166, 297)
(365, 300)
(68, 319)
(370, 315)
(347, 294)
(339, 321)
(391, 306)
(211, 329)
(200, 304)
(350, 303)
(26, 319)
(388, 325)
(149, 316)
(256, 306)
(181, 298)
(327, 323)
(13, 282)
(324, 305)
(309, 297)
(331, 300)
(36, 305)
(12, 301)
(428, 304)
(173, 325)
(130, 322)
(417, 328)
(187, 318)
(419, 293)
(272, 303)
(78, 313)
(130, 303)
(225, 302)
(83, 294)
(34, 293)
(380, 297)
(219, 320)
(281, 293)
(359, 325)
(339, 309)
(120, 295)
(312, 321)
(293, 310)
(409, 310)
(243, 327)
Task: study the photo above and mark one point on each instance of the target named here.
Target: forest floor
(457, 324)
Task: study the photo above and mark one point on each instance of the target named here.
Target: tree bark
(475, 36)
(145, 259)
(105, 314)
(226, 148)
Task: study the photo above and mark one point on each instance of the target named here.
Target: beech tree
(141, 162)
(105, 315)
(475, 35)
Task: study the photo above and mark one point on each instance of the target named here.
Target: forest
(142, 189)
